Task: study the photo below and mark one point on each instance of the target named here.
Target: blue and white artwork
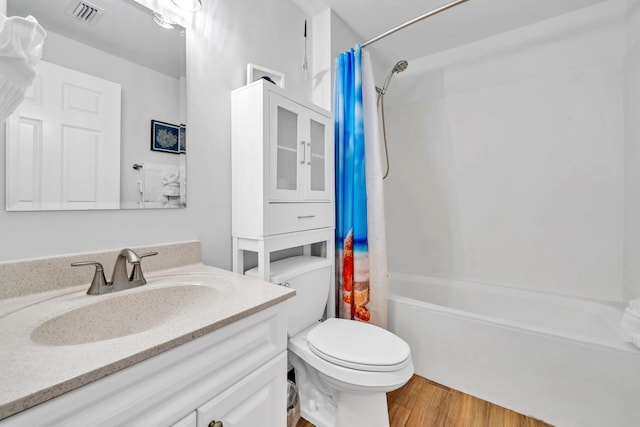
(182, 140)
(165, 137)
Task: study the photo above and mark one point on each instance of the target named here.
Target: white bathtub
(558, 359)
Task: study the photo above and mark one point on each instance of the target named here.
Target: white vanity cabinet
(282, 162)
(235, 375)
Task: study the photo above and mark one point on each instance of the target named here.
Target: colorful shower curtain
(361, 262)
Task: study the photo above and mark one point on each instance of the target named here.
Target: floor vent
(84, 11)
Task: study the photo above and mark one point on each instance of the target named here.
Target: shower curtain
(361, 258)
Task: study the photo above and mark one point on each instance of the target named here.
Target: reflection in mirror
(103, 126)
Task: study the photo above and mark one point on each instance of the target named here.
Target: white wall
(507, 158)
(632, 152)
(226, 36)
(331, 37)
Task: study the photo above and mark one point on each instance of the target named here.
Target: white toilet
(343, 368)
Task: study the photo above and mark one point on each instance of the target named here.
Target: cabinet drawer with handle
(290, 217)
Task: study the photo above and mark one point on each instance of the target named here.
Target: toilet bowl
(343, 368)
(347, 385)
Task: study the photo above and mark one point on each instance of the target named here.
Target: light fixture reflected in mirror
(162, 21)
(188, 5)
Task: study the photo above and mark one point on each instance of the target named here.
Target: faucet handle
(147, 254)
(136, 273)
(99, 283)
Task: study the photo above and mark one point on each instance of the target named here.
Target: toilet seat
(351, 379)
(360, 346)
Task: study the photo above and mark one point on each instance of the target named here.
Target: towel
(158, 182)
(631, 322)
(21, 41)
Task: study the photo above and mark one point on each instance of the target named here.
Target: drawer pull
(306, 216)
(215, 423)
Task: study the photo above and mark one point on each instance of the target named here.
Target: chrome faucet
(99, 284)
(119, 278)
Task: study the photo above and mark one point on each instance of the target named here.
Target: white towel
(153, 183)
(21, 42)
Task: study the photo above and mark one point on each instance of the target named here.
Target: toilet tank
(310, 276)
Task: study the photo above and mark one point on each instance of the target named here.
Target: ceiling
(126, 29)
(473, 20)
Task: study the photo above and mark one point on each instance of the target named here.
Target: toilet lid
(358, 345)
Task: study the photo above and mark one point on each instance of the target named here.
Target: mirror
(103, 125)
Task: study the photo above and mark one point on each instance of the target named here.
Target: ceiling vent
(84, 11)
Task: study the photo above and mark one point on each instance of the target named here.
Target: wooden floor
(423, 403)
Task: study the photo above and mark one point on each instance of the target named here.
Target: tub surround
(501, 147)
(33, 373)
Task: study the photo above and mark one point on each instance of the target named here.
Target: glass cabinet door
(316, 150)
(301, 152)
(318, 180)
(286, 149)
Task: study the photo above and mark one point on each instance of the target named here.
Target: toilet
(343, 368)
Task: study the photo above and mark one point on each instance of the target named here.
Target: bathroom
(512, 144)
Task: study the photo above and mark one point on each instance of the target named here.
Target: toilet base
(356, 409)
(343, 409)
(316, 407)
(324, 405)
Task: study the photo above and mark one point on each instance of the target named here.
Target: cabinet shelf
(284, 148)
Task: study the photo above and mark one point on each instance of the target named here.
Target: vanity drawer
(290, 217)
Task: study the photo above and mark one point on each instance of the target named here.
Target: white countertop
(32, 372)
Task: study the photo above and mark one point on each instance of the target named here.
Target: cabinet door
(259, 399)
(286, 149)
(318, 172)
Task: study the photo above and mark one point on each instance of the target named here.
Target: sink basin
(115, 316)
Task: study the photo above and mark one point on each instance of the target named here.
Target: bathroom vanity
(195, 346)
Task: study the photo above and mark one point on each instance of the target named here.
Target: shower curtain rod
(413, 21)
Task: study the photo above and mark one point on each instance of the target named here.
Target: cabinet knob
(215, 423)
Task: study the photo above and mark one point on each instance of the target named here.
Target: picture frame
(257, 72)
(165, 137)
(182, 138)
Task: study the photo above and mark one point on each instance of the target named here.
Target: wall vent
(84, 11)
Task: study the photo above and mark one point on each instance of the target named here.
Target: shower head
(398, 68)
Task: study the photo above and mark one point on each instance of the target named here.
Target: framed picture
(165, 137)
(256, 72)
(182, 139)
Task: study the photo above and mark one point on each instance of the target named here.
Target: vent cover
(84, 11)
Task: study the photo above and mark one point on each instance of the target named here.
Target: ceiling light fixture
(188, 5)
(162, 21)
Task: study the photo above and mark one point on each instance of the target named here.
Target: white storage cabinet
(282, 166)
(282, 162)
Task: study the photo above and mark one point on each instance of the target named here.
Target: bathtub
(558, 359)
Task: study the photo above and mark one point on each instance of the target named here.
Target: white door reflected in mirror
(63, 143)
